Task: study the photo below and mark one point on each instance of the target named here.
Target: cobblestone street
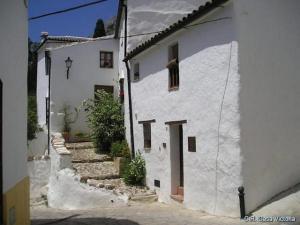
(137, 214)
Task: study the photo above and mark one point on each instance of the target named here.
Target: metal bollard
(242, 201)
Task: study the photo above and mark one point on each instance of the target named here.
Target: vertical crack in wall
(219, 125)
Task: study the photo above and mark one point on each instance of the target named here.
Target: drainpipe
(242, 201)
(128, 84)
(49, 99)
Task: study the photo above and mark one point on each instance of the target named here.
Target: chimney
(44, 35)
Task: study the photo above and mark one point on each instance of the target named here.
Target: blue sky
(80, 22)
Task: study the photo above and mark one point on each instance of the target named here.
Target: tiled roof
(68, 38)
(196, 14)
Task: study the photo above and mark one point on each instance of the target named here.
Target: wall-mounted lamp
(68, 62)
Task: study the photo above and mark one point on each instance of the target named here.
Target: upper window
(136, 71)
(173, 67)
(147, 135)
(47, 62)
(106, 59)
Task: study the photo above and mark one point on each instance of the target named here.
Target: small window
(173, 67)
(192, 144)
(147, 135)
(106, 59)
(136, 71)
(47, 62)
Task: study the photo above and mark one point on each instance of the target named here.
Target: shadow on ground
(72, 220)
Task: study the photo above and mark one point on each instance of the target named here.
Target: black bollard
(242, 201)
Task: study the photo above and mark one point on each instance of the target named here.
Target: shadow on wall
(202, 37)
(72, 220)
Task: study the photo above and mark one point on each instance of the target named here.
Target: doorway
(1, 158)
(177, 162)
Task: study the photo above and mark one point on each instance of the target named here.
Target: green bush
(105, 119)
(32, 126)
(120, 149)
(135, 171)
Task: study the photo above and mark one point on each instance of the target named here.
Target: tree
(105, 118)
(99, 29)
(32, 67)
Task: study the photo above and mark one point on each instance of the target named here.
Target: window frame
(136, 72)
(147, 137)
(105, 54)
(173, 67)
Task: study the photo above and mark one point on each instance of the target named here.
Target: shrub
(105, 119)
(69, 117)
(32, 126)
(135, 171)
(120, 149)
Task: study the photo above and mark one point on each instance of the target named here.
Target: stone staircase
(98, 170)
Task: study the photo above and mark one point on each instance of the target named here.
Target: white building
(215, 104)
(14, 180)
(94, 66)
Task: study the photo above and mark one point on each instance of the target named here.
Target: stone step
(147, 198)
(80, 145)
(84, 179)
(108, 159)
(178, 198)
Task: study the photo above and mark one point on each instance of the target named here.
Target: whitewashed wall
(146, 16)
(41, 88)
(269, 39)
(208, 57)
(85, 73)
(13, 73)
(43, 79)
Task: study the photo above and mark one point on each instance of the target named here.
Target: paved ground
(137, 214)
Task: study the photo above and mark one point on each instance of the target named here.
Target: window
(106, 59)
(136, 71)
(173, 67)
(192, 144)
(147, 135)
(108, 89)
(47, 62)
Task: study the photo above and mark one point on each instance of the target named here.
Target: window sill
(174, 89)
(147, 149)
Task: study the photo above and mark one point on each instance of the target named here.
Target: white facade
(207, 58)
(269, 40)
(42, 78)
(13, 75)
(84, 74)
(238, 93)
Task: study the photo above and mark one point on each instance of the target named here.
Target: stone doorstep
(177, 198)
(81, 145)
(144, 198)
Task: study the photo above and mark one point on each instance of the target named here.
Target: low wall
(39, 173)
(39, 145)
(65, 189)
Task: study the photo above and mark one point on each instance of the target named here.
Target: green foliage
(32, 127)
(135, 171)
(120, 149)
(99, 29)
(105, 120)
(32, 67)
(69, 117)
